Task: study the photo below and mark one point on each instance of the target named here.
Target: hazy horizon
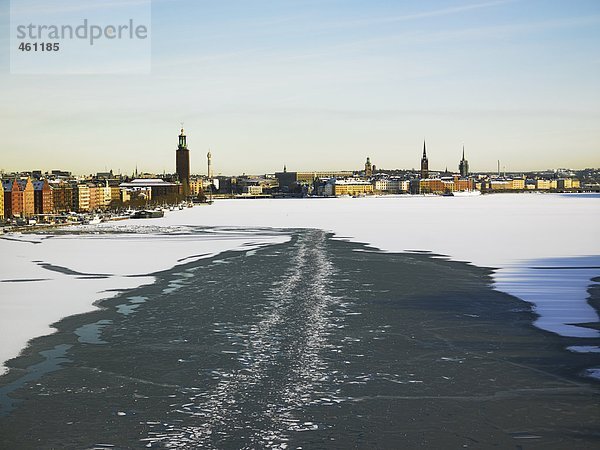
(321, 86)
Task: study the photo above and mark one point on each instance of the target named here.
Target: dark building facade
(43, 197)
(463, 166)
(424, 163)
(288, 181)
(62, 197)
(182, 164)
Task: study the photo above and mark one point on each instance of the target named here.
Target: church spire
(463, 166)
(424, 163)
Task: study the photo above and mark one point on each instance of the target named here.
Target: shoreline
(25, 229)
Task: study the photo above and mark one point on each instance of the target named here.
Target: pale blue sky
(322, 85)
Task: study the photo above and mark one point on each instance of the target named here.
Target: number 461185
(39, 47)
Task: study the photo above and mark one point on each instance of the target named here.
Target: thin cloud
(419, 37)
(425, 14)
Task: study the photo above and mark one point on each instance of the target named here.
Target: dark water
(314, 344)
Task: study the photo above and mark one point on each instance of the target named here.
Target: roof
(147, 182)
(350, 181)
(38, 185)
(7, 185)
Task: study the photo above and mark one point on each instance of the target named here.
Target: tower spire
(463, 165)
(424, 163)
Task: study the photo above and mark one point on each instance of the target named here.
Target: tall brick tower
(182, 163)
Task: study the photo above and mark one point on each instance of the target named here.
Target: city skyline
(323, 85)
(457, 167)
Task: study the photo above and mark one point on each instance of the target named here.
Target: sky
(321, 85)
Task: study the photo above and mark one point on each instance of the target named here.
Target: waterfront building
(182, 163)
(349, 186)
(386, 186)
(107, 195)
(518, 184)
(391, 186)
(568, 183)
(95, 202)
(18, 198)
(292, 181)
(506, 184)
(115, 194)
(196, 186)
(159, 188)
(445, 185)
(43, 197)
(424, 163)
(81, 197)
(12, 203)
(62, 196)
(542, 184)
(224, 185)
(500, 185)
(100, 196)
(436, 185)
(287, 180)
(463, 166)
(463, 184)
(28, 197)
(141, 194)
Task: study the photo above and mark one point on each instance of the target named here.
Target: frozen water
(503, 231)
(526, 237)
(557, 288)
(65, 267)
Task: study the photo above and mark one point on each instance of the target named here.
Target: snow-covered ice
(33, 297)
(508, 232)
(558, 288)
(504, 231)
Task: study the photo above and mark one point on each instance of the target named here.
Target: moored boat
(148, 214)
